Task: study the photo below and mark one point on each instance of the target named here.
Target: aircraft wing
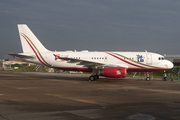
(90, 64)
(23, 56)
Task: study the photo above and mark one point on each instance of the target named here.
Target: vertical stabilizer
(29, 41)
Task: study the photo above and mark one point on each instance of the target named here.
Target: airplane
(108, 64)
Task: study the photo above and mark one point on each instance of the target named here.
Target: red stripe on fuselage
(125, 61)
(33, 50)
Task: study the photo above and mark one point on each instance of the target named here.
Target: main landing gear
(94, 75)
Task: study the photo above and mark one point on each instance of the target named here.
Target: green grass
(27, 68)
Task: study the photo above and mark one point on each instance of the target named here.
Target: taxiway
(56, 96)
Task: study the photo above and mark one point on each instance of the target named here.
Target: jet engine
(114, 72)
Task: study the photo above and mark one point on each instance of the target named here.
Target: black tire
(148, 79)
(96, 76)
(91, 78)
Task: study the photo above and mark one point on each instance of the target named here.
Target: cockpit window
(161, 58)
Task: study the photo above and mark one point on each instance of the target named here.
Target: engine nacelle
(114, 72)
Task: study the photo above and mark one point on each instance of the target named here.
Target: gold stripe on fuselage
(36, 49)
(135, 61)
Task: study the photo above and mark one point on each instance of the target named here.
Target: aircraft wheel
(148, 79)
(91, 78)
(96, 76)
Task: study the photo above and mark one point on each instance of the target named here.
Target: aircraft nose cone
(170, 65)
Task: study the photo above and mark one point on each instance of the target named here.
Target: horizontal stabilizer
(23, 56)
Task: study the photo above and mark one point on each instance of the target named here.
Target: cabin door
(148, 58)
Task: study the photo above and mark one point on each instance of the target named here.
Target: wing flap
(86, 63)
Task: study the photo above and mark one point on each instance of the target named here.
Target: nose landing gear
(149, 76)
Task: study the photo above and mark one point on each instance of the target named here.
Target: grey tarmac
(57, 96)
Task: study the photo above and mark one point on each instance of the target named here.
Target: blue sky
(94, 25)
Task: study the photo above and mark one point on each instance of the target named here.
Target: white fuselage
(133, 61)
